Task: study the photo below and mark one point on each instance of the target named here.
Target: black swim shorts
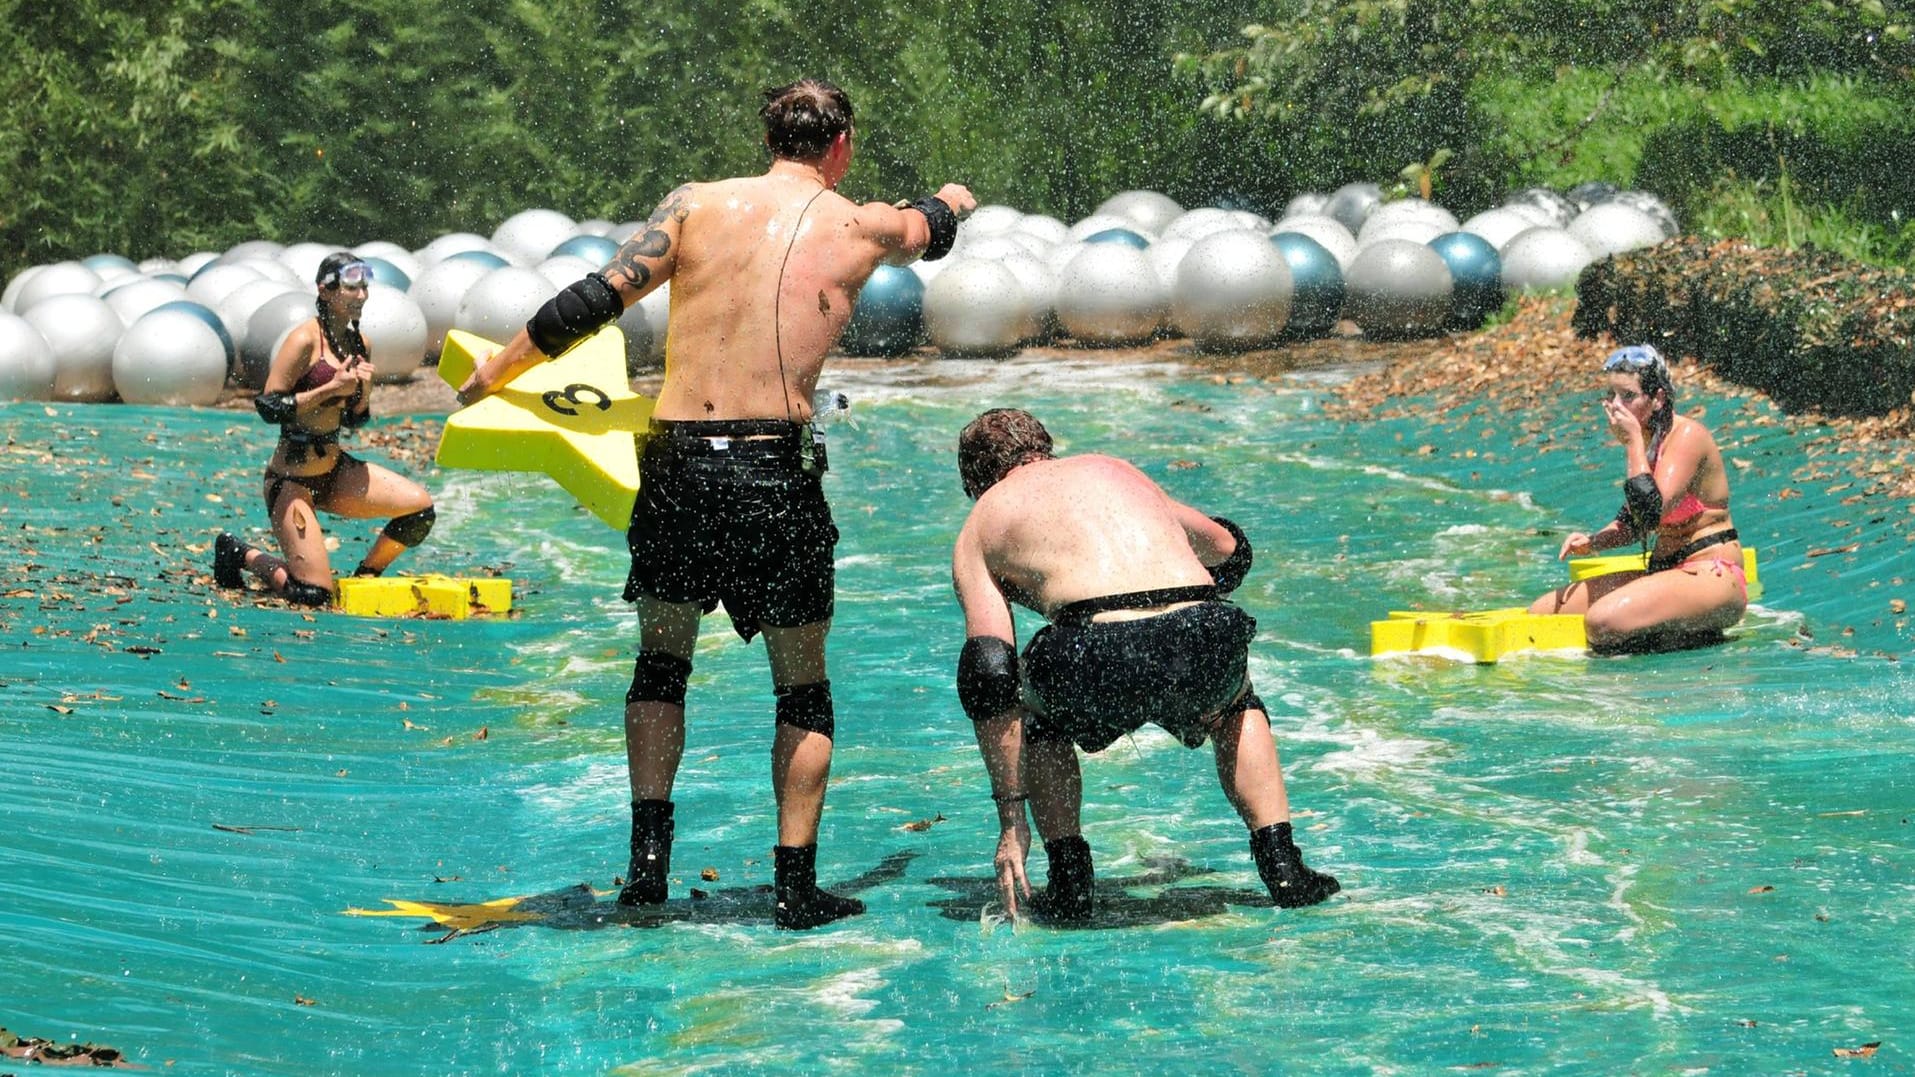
(728, 512)
(1092, 682)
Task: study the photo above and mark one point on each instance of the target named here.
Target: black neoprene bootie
(645, 882)
(1280, 863)
(801, 904)
(1068, 886)
(229, 560)
(365, 571)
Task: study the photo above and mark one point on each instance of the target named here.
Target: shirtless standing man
(1133, 584)
(764, 270)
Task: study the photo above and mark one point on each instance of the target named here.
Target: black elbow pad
(1642, 500)
(275, 408)
(583, 308)
(943, 222)
(1231, 570)
(987, 677)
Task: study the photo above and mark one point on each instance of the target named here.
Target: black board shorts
(728, 514)
(1093, 682)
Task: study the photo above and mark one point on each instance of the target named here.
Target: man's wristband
(944, 223)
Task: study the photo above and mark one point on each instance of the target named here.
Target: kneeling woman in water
(320, 383)
(1676, 490)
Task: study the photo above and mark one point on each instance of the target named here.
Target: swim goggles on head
(350, 275)
(1634, 359)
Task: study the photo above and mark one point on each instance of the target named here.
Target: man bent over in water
(764, 272)
(1133, 584)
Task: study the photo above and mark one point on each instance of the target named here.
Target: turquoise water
(1695, 862)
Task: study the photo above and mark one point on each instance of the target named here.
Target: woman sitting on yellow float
(1675, 490)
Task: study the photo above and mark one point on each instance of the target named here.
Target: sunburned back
(753, 309)
(1060, 531)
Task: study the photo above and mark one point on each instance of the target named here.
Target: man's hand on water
(1013, 848)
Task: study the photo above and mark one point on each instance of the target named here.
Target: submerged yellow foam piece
(575, 418)
(1484, 636)
(1584, 568)
(428, 596)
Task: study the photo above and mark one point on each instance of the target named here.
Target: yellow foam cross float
(1489, 635)
(575, 418)
(422, 596)
(482, 915)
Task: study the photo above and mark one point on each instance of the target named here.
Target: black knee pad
(412, 528)
(806, 707)
(658, 677)
(301, 593)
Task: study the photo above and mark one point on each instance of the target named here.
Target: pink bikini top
(1687, 508)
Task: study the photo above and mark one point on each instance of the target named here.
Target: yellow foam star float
(458, 917)
(575, 418)
(1489, 635)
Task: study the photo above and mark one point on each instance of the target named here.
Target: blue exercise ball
(484, 258)
(1119, 235)
(109, 264)
(1317, 280)
(595, 249)
(889, 316)
(384, 272)
(206, 314)
(1478, 275)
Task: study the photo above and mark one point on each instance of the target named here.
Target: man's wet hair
(801, 118)
(994, 443)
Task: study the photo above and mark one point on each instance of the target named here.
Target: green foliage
(199, 123)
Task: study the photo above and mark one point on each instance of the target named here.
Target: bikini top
(1687, 508)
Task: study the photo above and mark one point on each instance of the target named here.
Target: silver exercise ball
(1416, 231)
(992, 247)
(395, 332)
(216, 282)
(1552, 202)
(235, 311)
(134, 298)
(1039, 282)
(1396, 288)
(1351, 204)
(976, 308)
(527, 236)
(989, 220)
(439, 289)
(563, 270)
(1108, 294)
(1614, 228)
(80, 331)
(1049, 229)
(1389, 214)
(1148, 211)
(1497, 226)
(170, 356)
(1656, 208)
(302, 260)
(1197, 223)
(1164, 257)
(60, 278)
(26, 363)
(656, 309)
(270, 321)
(1306, 202)
(1233, 290)
(1543, 260)
(15, 283)
(251, 248)
(499, 304)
